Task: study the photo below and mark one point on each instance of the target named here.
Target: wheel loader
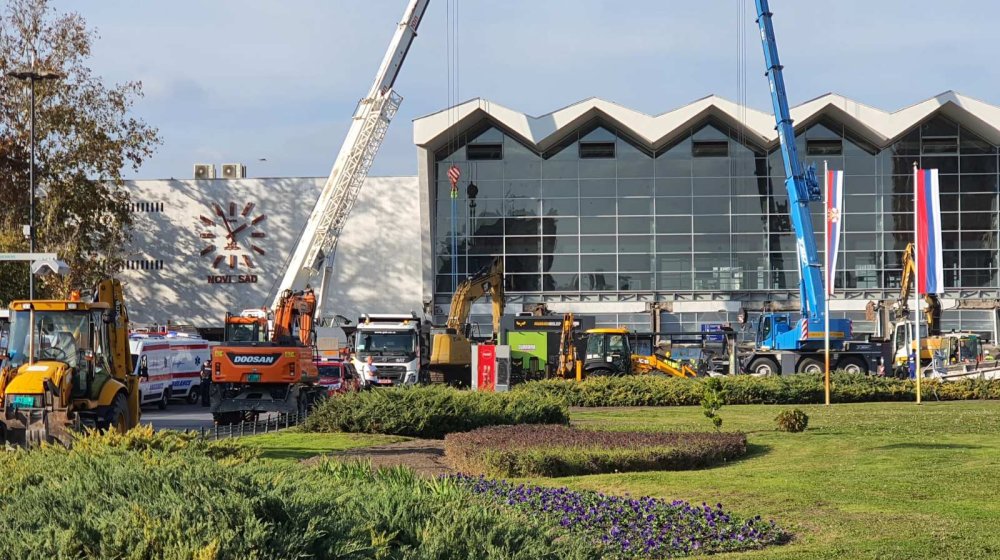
(67, 367)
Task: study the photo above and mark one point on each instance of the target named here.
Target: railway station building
(681, 219)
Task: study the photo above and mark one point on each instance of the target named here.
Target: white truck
(169, 365)
(399, 345)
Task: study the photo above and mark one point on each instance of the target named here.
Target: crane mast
(800, 184)
(317, 245)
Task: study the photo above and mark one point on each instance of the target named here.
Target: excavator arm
(295, 309)
(487, 281)
(932, 311)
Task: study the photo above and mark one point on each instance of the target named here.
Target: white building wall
(377, 268)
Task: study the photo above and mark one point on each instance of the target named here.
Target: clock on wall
(232, 235)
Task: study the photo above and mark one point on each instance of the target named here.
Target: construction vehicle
(260, 368)
(68, 368)
(312, 260)
(451, 350)
(610, 352)
(567, 365)
(783, 343)
(398, 344)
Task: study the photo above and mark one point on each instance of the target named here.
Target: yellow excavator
(67, 367)
(451, 351)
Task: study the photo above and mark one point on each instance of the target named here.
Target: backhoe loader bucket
(32, 427)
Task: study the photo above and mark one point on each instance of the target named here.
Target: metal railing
(252, 428)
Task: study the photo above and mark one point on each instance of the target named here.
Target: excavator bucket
(31, 428)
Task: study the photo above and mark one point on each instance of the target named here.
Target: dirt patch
(424, 456)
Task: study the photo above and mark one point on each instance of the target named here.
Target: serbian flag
(834, 215)
(930, 264)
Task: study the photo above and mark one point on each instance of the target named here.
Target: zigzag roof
(876, 126)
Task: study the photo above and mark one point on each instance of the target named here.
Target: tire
(853, 365)
(764, 367)
(162, 403)
(118, 417)
(810, 365)
(194, 394)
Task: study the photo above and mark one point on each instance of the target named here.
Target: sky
(251, 80)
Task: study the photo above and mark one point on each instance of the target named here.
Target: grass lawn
(294, 445)
(880, 480)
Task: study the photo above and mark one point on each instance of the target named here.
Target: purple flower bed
(631, 527)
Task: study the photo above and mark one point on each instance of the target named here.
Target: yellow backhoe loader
(451, 351)
(67, 367)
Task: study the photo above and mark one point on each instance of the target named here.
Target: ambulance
(169, 366)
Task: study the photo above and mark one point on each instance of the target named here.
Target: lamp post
(32, 76)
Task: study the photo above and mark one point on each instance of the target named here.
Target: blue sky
(240, 80)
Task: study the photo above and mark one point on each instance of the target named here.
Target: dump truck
(67, 367)
(398, 344)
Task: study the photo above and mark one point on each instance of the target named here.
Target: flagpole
(829, 281)
(916, 278)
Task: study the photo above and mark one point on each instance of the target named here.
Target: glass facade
(601, 213)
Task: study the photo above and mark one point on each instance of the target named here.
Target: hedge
(520, 451)
(151, 495)
(648, 390)
(432, 411)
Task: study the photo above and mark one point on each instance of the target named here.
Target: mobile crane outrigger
(782, 344)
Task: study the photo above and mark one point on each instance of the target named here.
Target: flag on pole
(834, 215)
(930, 272)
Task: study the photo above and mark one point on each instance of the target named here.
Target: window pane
(561, 263)
(639, 263)
(635, 244)
(636, 206)
(597, 207)
(635, 225)
(597, 263)
(523, 245)
(598, 244)
(598, 281)
(560, 226)
(560, 188)
(635, 187)
(635, 281)
(562, 244)
(673, 224)
(597, 225)
(673, 243)
(561, 282)
(597, 187)
(673, 187)
(560, 207)
(674, 205)
(520, 264)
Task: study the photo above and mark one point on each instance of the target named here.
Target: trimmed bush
(792, 421)
(519, 451)
(432, 411)
(648, 390)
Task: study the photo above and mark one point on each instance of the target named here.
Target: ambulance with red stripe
(169, 366)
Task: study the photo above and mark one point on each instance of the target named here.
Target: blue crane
(776, 330)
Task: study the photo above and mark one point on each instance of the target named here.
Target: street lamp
(32, 76)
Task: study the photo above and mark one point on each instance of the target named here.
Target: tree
(85, 137)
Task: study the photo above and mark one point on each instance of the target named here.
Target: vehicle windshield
(329, 371)
(250, 332)
(390, 342)
(55, 335)
(968, 349)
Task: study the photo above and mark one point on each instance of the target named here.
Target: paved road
(182, 416)
(178, 416)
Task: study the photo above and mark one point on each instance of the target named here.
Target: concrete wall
(378, 266)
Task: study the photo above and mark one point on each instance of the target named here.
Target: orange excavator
(260, 369)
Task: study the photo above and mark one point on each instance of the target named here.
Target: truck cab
(609, 352)
(398, 344)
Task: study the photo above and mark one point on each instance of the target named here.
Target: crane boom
(801, 184)
(318, 243)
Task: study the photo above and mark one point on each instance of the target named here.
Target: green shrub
(520, 451)
(792, 420)
(647, 390)
(432, 411)
(147, 497)
(712, 400)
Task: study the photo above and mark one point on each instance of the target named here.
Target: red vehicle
(337, 376)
